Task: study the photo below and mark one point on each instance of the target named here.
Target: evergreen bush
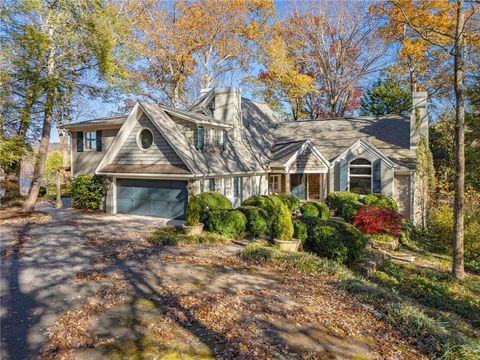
(292, 202)
(257, 220)
(282, 225)
(350, 209)
(299, 230)
(380, 200)
(87, 192)
(323, 210)
(226, 222)
(210, 201)
(336, 199)
(193, 211)
(310, 209)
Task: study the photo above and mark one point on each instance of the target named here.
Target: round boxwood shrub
(282, 225)
(336, 199)
(271, 204)
(335, 240)
(299, 230)
(226, 222)
(323, 210)
(380, 200)
(292, 202)
(350, 209)
(193, 211)
(257, 220)
(87, 192)
(211, 200)
(310, 209)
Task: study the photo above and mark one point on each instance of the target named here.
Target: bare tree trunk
(458, 263)
(31, 200)
(58, 181)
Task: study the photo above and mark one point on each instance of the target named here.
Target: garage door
(161, 198)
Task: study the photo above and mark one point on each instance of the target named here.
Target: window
(219, 186)
(228, 186)
(211, 184)
(90, 140)
(274, 183)
(236, 186)
(145, 139)
(360, 176)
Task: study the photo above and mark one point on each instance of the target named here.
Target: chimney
(228, 108)
(418, 118)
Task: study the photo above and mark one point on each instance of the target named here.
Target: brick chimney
(418, 118)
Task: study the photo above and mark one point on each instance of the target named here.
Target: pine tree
(386, 97)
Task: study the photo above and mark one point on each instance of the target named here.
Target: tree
(187, 45)
(71, 37)
(443, 25)
(386, 97)
(334, 44)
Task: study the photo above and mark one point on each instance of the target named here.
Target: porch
(305, 186)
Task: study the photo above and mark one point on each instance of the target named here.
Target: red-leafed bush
(377, 220)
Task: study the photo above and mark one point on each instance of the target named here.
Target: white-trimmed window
(360, 176)
(145, 139)
(236, 186)
(228, 186)
(90, 140)
(274, 183)
(219, 185)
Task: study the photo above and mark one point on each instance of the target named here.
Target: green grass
(262, 251)
(172, 236)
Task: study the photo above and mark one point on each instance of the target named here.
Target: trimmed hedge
(380, 200)
(336, 199)
(210, 201)
(226, 222)
(323, 210)
(335, 240)
(257, 220)
(350, 209)
(292, 202)
(87, 192)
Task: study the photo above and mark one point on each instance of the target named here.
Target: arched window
(360, 176)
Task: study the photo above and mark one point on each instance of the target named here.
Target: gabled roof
(114, 121)
(285, 154)
(389, 134)
(365, 145)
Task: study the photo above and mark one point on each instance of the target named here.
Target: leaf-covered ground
(204, 301)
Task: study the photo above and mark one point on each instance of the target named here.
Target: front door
(298, 185)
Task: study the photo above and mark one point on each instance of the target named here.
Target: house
(150, 159)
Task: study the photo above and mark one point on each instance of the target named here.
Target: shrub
(350, 209)
(299, 230)
(377, 220)
(87, 192)
(210, 201)
(382, 238)
(227, 222)
(292, 202)
(335, 240)
(323, 210)
(282, 225)
(271, 204)
(336, 199)
(42, 191)
(380, 200)
(309, 209)
(261, 251)
(257, 223)
(193, 211)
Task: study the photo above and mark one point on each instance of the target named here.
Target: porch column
(306, 187)
(287, 183)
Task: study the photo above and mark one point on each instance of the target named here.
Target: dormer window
(211, 139)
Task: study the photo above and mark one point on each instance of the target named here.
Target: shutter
(343, 175)
(79, 141)
(99, 140)
(200, 138)
(225, 141)
(377, 176)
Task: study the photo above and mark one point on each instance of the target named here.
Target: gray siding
(160, 152)
(85, 163)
